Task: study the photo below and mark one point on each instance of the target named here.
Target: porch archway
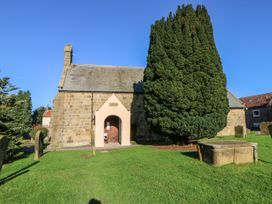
(112, 107)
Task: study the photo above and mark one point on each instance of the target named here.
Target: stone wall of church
(72, 111)
(236, 124)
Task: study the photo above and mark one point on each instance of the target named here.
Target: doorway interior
(112, 129)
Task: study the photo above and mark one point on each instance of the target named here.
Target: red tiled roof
(47, 113)
(257, 100)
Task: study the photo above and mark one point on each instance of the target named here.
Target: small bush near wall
(264, 128)
(35, 129)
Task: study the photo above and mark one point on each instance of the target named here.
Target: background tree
(21, 114)
(37, 115)
(184, 83)
(15, 115)
(6, 104)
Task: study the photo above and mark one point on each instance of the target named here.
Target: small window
(256, 113)
(256, 125)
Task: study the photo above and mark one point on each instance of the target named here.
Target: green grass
(137, 175)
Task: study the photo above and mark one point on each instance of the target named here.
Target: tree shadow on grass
(17, 173)
(268, 162)
(20, 153)
(191, 154)
(24, 151)
(94, 201)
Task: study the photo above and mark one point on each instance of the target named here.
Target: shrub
(44, 131)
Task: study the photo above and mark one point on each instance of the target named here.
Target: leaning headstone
(3, 149)
(38, 145)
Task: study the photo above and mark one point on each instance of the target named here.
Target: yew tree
(184, 84)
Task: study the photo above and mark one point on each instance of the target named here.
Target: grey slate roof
(234, 102)
(99, 78)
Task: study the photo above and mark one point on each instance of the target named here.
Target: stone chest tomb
(227, 152)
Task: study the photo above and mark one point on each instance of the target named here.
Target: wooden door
(112, 129)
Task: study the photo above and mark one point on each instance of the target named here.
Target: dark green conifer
(15, 115)
(184, 83)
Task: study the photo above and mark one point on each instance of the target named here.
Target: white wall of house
(46, 121)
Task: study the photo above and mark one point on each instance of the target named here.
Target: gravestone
(3, 149)
(239, 130)
(38, 145)
(270, 130)
(255, 152)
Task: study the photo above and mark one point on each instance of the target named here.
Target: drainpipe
(92, 127)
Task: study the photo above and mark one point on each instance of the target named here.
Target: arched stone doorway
(112, 129)
(112, 107)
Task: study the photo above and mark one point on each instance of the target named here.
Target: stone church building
(106, 103)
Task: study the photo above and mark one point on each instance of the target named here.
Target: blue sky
(116, 32)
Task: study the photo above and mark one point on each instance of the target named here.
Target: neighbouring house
(46, 118)
(258, 109)
(106, 103)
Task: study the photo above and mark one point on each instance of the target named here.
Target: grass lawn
(137, 175)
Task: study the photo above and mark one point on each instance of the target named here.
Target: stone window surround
(256, 113)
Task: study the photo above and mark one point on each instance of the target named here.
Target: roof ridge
(255, 95)
(110, 66)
